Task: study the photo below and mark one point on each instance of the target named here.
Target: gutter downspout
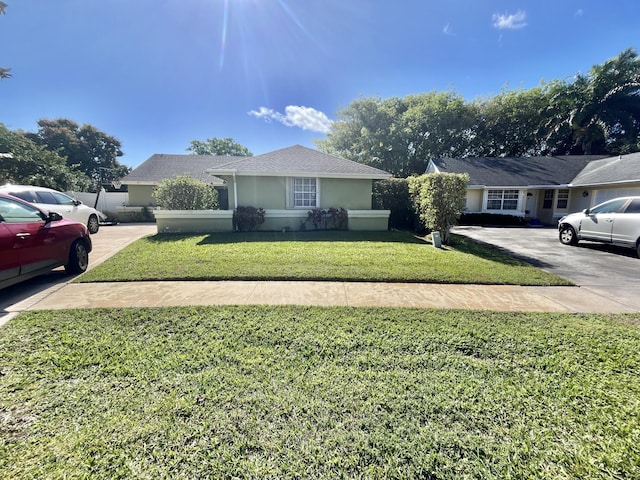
(235, 191)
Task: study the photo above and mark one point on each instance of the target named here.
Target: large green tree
(508, 124)
(24, 162)
(600, 110)
(400, 135)
(85, 147)
(218, 146)
(594, 113)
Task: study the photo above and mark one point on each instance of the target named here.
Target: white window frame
(502, 195)
(562, 195)
(299, 192)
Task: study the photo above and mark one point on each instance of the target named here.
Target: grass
(293, 392)
(339, 256)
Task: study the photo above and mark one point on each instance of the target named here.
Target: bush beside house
(189, 205)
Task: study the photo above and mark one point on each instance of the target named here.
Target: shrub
(438, 199)
(247, 219)
(328, 219)
(183, 192)
(393, 194)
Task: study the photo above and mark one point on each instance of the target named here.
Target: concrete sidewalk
(64, 294)
(354, 294)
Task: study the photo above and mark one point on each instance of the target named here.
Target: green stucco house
(286, 183)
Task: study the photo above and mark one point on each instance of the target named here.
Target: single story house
(286, 183)
(543, 188)
(147, 176)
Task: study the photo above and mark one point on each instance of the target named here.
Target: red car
(33, 242)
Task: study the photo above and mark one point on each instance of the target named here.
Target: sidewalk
(109, 240)
(353, 294)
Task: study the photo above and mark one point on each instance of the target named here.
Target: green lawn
(342, 256)
(293, 392)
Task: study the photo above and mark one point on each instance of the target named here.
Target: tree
(509, 124)
(85, 147)
(438, 200)
(599, 112)
(401, 135)
(219, 146)
(24, 162)
(594, 113)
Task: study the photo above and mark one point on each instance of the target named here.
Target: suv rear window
(46, 197)
(25, 195)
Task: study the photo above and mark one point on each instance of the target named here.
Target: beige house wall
(141, 195)
(473, 201)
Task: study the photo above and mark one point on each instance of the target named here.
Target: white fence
(106, 202)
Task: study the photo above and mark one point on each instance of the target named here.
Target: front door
(530, 206)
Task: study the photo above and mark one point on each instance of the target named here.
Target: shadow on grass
(300, 236)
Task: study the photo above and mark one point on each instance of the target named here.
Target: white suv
(54, 201)
(616, 221)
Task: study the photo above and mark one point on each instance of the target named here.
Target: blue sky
(273, 73)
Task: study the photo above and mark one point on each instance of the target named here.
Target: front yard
(340, 256)
(292, 392)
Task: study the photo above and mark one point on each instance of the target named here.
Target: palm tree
(598, 112)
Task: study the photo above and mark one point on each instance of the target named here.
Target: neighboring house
(543, 188)
(286, 183)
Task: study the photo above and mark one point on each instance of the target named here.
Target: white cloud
(579, 12)
(306, 118)
(512, 21)
(447, 30)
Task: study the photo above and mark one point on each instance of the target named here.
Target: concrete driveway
(108, 240)
(608, 271)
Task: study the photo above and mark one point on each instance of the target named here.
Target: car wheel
(638, 249)
(78, 258)
(93, 225)
(568, 235)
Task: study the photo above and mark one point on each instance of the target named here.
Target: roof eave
(363, 176)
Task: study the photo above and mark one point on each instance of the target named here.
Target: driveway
(606, 270)
(108, 240)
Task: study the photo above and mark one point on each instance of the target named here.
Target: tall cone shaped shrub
(438, 199)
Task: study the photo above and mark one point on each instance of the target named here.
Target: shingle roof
(624, 169)
(298, 160)
(517, 171)
(161, 166)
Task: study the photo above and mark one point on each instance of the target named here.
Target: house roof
(622, 169)
(297, 161)
(517, 171)
(161, 166)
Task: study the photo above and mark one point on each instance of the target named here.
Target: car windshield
(612, 206)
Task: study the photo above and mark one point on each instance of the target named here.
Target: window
(14, 212)
(633, 207)
(502, 199)
(305, 193)
(548, 199)
(563, 199)
(612, 206)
